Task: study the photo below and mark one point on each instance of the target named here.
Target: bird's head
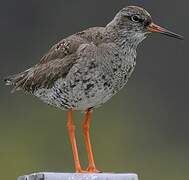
(137, 23)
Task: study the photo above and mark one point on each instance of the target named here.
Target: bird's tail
(17, 80)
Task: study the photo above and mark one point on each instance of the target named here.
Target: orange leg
(86, 126)
(71, 130)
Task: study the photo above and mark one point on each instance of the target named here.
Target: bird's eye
(136, 18)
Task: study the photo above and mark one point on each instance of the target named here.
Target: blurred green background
(143, 129)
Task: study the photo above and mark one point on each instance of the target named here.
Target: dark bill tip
(155, 28)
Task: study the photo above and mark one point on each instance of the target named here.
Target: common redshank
(86, 69)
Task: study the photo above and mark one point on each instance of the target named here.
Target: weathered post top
(79, 176)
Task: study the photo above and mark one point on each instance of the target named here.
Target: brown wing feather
(63, 48)
(55, 64)
(44, 75)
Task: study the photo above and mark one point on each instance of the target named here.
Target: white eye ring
(135, 18)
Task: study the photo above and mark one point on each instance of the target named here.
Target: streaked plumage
(85, 69)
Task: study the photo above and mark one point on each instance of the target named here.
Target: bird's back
(83, 70)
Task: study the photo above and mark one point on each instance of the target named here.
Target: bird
(84, 70)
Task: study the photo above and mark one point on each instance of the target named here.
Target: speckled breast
(89, 83)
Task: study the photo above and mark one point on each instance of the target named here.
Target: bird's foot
(81, 171)
(93, 170)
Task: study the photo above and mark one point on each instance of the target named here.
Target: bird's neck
(122, 37)
(129, 38)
